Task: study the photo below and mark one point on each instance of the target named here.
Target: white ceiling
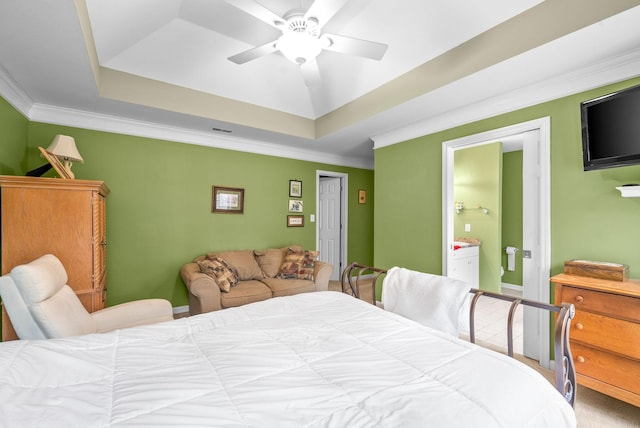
(159, 68)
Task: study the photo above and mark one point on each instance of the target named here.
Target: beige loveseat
(260, 274)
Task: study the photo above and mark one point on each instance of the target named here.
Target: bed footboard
(565, 374)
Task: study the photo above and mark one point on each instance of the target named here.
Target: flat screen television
(611, 130)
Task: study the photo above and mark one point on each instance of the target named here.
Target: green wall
(589, 218)
(512, 214)
(477, 182)
(159, 209)
(14, 131)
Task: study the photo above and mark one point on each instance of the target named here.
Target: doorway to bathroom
(534, 136)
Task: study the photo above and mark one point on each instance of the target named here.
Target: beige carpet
(593, 409)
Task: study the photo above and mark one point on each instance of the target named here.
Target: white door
(531, 273)
(536, 135)
(330, 223)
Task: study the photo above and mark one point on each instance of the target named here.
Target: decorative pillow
(269, 261)
(242, 261)
(298, 264)
(218, 269)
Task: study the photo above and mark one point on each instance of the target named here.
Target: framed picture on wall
(227, 200)
(295, 189)
(295, 221)
(295, 206)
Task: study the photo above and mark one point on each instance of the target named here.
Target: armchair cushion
(53, 305)
(131, 314)
(23, 323)
(40, 279)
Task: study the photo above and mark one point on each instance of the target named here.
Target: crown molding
(608, 71)
(116, 124)
(37, 112)
(14, 94)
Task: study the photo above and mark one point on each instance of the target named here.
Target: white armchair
(41, 305)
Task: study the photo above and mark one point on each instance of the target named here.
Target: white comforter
(313, 360)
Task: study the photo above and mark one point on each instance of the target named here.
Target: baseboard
(180, 309)
(511, 286)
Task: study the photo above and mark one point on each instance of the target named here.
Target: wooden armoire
(66, 218)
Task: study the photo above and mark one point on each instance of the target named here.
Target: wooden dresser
(605, 333)
(66, 218)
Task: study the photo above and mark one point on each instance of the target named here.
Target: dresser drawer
(615, 305)
(609, 368)
(622, 337)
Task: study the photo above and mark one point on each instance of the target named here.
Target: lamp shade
(64, 147)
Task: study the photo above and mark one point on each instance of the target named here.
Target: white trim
(543, 125)
(511, 286)
(606, 72)
(180, 310)
(14, 94)
(55, 115)
(344, 211)
(101, 122)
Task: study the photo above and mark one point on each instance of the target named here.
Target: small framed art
(295, 221)
(227, 200)
(295, 206)
(295, 189)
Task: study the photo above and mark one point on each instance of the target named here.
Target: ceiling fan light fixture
(299, 47)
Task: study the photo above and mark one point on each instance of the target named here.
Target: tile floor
(491, 322)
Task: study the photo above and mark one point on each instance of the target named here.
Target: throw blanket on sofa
(432, 300)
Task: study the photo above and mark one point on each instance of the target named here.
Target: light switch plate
(467, 227)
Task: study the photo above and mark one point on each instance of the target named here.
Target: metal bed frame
(565, 374)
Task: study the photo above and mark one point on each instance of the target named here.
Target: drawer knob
(579, 299)
(580, 359)
(579, 326)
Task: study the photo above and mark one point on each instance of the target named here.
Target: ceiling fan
(302, 39)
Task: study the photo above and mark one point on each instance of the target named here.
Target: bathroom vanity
(464, 263)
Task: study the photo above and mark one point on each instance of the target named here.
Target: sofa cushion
(218, 269)
(298, 264)
(242, 261)
(288, 287)
(245, 292)
(269, 261)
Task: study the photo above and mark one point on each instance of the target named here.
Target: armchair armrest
(204, 292)
(131, 314)
(322, 274)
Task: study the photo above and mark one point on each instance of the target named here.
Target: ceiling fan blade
(323, 10)
(358, 47)
(257, 10)
(311, 73)
(254, 53)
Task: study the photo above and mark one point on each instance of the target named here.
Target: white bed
(321, 359)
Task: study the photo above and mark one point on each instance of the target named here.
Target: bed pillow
(298, 264)
(224, 275)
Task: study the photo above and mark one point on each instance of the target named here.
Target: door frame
(344, 212)
(543, 228)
